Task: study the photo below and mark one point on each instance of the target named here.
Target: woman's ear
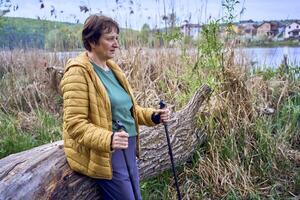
(93, 44)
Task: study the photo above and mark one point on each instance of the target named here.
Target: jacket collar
(83, 60)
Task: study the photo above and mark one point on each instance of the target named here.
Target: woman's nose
(116, 44)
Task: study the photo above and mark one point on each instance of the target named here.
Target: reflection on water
(268, 57)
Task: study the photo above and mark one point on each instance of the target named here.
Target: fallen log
(43, 173)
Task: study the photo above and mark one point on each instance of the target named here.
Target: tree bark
(43, 172)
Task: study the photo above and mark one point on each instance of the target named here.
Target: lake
(269, 57)
(258, 57)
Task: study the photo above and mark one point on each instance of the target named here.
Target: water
(268, 57)
(257, 57)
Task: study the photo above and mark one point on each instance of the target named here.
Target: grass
(13, 140)
(25, 131)
(157, 188)
(30, 101)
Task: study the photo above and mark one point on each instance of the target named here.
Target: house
(190, 30)
(234, 28)
(248, 30)
(226, 29)
(269, 29)
(292, 31)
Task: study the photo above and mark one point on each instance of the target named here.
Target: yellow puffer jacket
(88, 120)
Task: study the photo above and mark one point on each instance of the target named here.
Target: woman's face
(107, 45)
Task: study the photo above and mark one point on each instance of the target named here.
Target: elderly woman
(96, 95)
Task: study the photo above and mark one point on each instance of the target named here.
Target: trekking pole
(162, 105)
(120, 127)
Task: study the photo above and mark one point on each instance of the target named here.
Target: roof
(191, 25)
(293, 23)
(272, 23)
(246, 21)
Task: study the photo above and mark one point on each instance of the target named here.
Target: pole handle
(162, 104)
(120, 126)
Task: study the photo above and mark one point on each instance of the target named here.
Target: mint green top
(119, 99)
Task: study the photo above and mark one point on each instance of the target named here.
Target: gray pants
(119, 188)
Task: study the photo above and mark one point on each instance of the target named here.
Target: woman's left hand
(164, 114)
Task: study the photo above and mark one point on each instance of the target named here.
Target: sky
(135, 13)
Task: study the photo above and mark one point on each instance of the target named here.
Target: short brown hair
(94, 26)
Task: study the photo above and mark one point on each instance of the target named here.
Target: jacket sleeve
(76, 111)
(144, 115)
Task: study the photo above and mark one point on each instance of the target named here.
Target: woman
(96, 94)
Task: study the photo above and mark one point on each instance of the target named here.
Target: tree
(4, 7)
(63, 39)
(172, 19)
(145, 34)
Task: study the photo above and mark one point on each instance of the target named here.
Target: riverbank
(269, 43)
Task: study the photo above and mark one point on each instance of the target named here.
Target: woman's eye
(113, 38)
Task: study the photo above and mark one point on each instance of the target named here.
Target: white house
(292, 30)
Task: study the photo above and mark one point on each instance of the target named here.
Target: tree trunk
(43, 173)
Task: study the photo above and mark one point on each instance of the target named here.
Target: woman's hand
(164, 115)
(120, 140)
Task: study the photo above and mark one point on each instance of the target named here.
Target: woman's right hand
(120, 140)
